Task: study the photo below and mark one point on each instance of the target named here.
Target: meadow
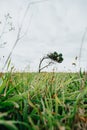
(43, 101)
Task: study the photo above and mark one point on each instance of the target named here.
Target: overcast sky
(52, 25)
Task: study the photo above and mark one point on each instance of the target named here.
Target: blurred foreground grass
(43, 101)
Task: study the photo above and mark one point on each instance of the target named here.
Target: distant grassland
(43, 101)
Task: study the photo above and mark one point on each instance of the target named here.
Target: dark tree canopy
(56, 57)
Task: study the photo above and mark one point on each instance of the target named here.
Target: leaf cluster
(56, 57)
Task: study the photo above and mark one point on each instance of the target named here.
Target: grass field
(43, 101)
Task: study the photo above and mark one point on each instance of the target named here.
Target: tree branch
(46, 66)
(46, 57)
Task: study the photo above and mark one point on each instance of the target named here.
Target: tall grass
(43, 101)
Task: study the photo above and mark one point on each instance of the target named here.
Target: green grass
(43, 101)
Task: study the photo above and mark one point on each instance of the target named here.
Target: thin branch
(45, 57)
(46, 66)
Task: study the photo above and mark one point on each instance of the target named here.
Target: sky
(47, 26)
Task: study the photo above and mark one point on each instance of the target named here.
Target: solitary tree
(54, 57)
